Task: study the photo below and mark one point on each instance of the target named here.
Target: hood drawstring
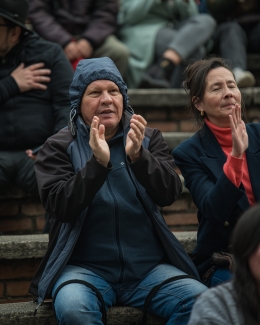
(72, 125)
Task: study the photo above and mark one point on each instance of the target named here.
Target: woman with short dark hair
(236, 302)
(219, 168)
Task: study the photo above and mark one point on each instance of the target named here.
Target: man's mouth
(106, 111)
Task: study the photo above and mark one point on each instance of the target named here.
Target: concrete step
(22, 314)
(177, 98)
(21, 255)
(173, 139)
(26, 247)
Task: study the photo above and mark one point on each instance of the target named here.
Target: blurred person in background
(34, 103)
(84, 29)
(161, 37)
(236, 302)
(237, 33)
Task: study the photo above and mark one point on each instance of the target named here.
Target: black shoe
(158, 75)
(148, 81)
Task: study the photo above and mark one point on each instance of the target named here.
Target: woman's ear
(197, 103)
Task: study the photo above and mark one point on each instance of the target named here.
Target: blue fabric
(221, 275)
(89, 70)
(114, 255)
(78, 304)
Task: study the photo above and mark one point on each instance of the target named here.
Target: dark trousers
(232, 42)
(17, 169)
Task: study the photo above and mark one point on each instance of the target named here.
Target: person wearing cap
(84, 29)
(102, 180)
(34, 102)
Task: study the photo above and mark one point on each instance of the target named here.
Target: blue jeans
(77, 304)
(219, 276)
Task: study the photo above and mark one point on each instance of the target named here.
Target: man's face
(5, 38)
(103, 99)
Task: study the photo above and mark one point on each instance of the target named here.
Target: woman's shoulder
(216, 306)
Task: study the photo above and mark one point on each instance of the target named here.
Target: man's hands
(77, 50)
(135, 137)
(98, 143)
(31, 77)
(239, 133)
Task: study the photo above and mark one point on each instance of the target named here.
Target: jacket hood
(89, 70)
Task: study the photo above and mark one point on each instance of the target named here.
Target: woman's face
(220, 96)
(254, 265)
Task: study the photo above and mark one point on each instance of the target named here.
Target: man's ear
(15, 33)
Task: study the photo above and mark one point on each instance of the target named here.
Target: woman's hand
(239, 133)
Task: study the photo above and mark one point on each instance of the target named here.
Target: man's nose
(106, 97)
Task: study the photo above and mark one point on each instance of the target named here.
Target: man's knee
(77, 304)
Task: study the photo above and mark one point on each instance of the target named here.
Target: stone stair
(19, 258)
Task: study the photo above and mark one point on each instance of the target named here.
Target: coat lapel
(253, 162)
(215, 158)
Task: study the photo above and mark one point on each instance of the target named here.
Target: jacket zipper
(120, 253)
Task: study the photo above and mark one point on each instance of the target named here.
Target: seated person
(84, 29)
(34, 103)
(161, 36)
(219, 168)
(236, 302)
(237, 33)
(102, 180)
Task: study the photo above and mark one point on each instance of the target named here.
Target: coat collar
(215, 158)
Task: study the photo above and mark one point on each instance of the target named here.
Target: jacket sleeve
(154, 170)
(65, 193)
(8, 89)
(134, 11)
(61, 77)
(45, 23)
(214, 198)
(102, 22)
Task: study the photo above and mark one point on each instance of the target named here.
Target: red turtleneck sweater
(235, 169)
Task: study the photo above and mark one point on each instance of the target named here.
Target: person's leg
(78, 304)
(253, 35)
(175, 45)
(173, 301)
(24, 175)
(219, 276)
(116, 51)
(6, 169)
(191, 34)
(231, 43)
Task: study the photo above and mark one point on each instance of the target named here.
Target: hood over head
(89, 70)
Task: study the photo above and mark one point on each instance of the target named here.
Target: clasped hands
(133, 147)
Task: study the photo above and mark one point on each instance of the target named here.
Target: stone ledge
(177, 98)
(22, 314)
(34, 246)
